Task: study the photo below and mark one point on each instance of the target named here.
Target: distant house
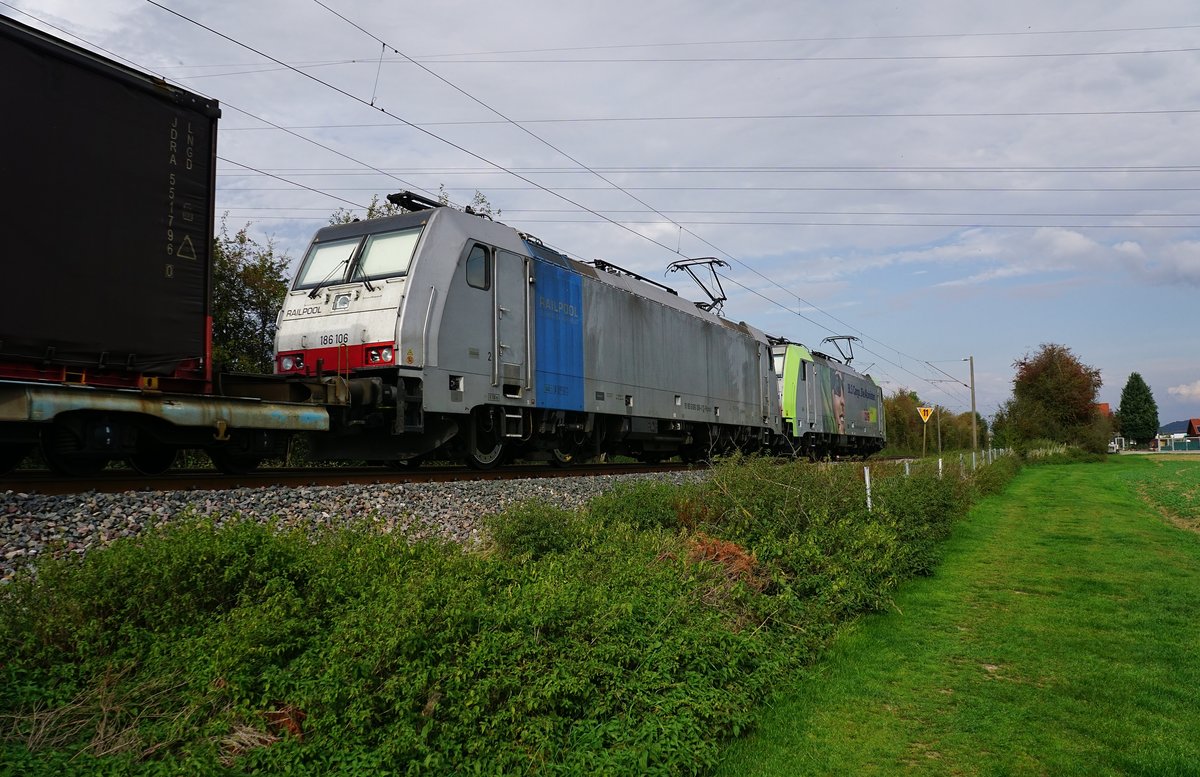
(1193, 429)
(1103, 409)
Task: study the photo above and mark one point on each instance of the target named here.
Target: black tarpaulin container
(108, 178)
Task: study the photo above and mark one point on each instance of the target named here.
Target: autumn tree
(379, 208)
(249, 282)
(376, 209)
(479, 203)
(903, 423)
(1054, 399)
(1138, 412)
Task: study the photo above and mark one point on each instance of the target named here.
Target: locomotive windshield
(386, 255)
(325, 263)
(363, 258)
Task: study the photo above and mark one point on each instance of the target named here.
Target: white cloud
(1186, 391)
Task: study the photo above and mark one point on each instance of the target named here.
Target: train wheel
(11, 455)
(489, 447)
(152, 457)
(234, 463)
(560, 458)
(61, 449)
(487, 455)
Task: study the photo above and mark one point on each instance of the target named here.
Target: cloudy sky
(939, 179)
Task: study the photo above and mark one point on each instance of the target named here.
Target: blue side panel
(558, 332)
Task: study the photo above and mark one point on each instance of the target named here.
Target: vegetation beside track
(634, 638)
(1059, 637)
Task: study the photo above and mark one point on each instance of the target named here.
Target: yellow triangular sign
(925, 413)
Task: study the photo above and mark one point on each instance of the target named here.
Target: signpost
(925, 413)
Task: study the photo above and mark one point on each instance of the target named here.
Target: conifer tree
(1138, 412)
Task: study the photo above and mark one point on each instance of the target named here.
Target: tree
(1054, 398)
(1138, 412)
(249, 285)
(479, 204)
(377, 209)
(903, 423)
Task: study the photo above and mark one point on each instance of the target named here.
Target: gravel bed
(34, 525)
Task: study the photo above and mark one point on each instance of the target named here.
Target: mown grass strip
(1060, 636)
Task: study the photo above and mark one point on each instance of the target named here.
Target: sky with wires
(939, 179)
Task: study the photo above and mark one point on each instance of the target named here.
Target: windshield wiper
(316, 289)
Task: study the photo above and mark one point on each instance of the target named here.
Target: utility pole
(974, 415)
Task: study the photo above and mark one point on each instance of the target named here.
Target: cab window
(387, 255)
(326, 263)
(479, 268)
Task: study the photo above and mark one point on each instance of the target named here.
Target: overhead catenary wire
(584, 166)
(1090, 169)
(712, 59)
(854, 224)
(403, 121)
(756, 42)
(682, 228)
(817, 213)
(508, 120)
(762, 117)
(990, 189)
(490, 108)
(669, 248)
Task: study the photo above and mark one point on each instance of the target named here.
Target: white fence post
(939, 469)
(867, 475)
(907, 472)
(974, 466)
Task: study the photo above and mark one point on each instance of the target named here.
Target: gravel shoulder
(35, 525)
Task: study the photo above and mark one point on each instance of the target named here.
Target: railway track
(119, 480)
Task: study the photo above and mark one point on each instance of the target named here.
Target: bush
(631, 639)
(647, 504)
(1046, 452)
(534, 529)
(992, 479)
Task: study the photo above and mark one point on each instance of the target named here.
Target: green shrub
(534, 529)
(646, 504)
(1045, 452)
(993, 477)
(630, 639)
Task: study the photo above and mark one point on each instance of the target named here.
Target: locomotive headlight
(287, 363)
(386, 353)
(373, 356)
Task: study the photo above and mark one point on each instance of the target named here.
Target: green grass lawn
(1061, 635)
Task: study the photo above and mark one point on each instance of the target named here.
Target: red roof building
(1193, 427)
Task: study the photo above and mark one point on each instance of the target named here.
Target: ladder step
(514, 422)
